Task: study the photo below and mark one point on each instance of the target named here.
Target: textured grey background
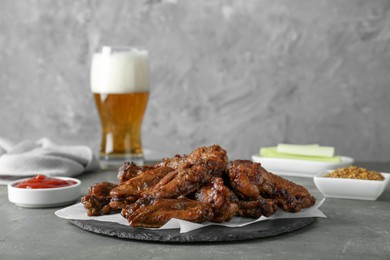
(243, 74)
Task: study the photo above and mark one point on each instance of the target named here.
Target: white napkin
(43, 157)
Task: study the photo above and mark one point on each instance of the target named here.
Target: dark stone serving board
(208, 234)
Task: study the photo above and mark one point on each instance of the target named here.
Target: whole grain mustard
(353, 172)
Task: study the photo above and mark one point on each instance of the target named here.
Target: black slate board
(209, 234)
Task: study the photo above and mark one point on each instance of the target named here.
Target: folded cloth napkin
(43, 157)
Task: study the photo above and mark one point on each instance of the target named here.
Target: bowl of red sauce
(42, 191)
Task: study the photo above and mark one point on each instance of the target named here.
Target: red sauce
(43, 182)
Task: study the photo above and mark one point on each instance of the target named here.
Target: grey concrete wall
(243, 74)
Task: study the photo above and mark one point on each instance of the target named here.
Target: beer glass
(120, 85)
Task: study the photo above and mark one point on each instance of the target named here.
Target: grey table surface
(354, 229)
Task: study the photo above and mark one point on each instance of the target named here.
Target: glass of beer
(120, 85)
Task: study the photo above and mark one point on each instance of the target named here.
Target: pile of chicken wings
(199, 187)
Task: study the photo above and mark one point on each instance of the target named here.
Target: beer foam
(120, 71)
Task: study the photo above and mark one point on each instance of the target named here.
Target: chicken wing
(130, 170)
(213, 158)
(220, 198)
(96, 202)
(250, 185)
(248, 179)
(179, 183)
(250, 182)
(154, 213)
(131, 190)
(291, 197)
(257, 208)
(176, 162)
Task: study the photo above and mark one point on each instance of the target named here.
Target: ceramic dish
(351, 188)
(300, 168)
(44, 198)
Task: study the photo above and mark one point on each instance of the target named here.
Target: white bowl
(301, 168)
(351, 188)
(44, 198)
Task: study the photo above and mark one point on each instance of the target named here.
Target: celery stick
(271, 152)
(306, 150)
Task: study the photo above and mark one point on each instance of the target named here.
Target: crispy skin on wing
(250, 182)
(179, 183)
(96, 206)
(220, 198)
(154, 213)
(96, 202)
(119, 204)
(213, 158)
(102, 189)
(130, 170)
(291, 197)
(250, 185)
(176, 162)
(129, 191)
(257, 208)
(144, 181)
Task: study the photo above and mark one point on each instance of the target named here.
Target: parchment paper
(78, 212)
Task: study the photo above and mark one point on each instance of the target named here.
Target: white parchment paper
(78, 212)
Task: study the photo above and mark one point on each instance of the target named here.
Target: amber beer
(120, 84)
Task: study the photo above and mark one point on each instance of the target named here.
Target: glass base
(110, 162)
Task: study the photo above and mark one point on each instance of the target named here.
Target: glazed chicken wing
(213, 158)
(220, 198)
(291, 197)
(252, 182)
(247, 179)
(130, 170)
(154, 213)
(176, 162)
(129, 191)
(96, 202)
(250, 185)
(179, 183)
(257, 208)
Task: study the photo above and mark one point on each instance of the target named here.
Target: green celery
(272, 152)
(306, 150)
